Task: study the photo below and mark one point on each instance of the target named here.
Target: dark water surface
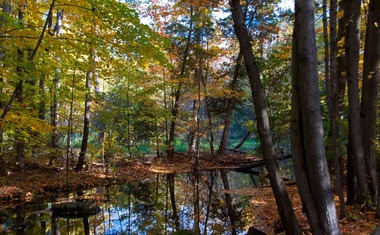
(206, 203)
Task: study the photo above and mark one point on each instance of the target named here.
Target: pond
(209, 202)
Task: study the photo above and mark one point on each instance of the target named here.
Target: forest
(99, 92)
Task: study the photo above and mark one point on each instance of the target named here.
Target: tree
(230, 103)
(368, 112)
(90, 74)
(6, 9)
(284, 205)
(308, 148)
(177, 93)
(55, 89)
(352, 43)
(333, 101)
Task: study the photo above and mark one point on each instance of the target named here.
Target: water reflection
(202, 202)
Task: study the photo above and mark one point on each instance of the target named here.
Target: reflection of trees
(171, 186)
(146, 207)
(228, 198)
(217, 215)
(137, 208)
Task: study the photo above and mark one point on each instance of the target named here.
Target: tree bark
(19, 96)
(175, 108)
(55, 102)
(284, 205)
(229, 107)
(209, 127)
(171, 184)
(192, 149)
(308, 150)
(7, 7)
(334, 105)
(352, 43)
(230, 209)
(370, 91)
(86, 121)
(87, 115)
(243, 140)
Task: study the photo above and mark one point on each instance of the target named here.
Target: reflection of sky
(123, 220)
(144, 207)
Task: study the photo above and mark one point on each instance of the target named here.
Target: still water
(206, 203)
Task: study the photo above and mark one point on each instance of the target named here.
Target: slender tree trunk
(354, 128)
(370, 91)
(196, 201)
(243, 140)
(308, 150)
(171, 183)
(341, 60)
(192, 149)
(210, 127)
(175, 108)
(230, 103)
(86, 122)
(55, 91)
(19, 142)
(87, 115)
(334, 105)
(327, 54)
(297, 143)
(284, 205)
(352, 183)
(209, 201)
(7, 7)
(230, 210)
(42, 105)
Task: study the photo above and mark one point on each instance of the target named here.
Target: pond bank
(39, 181)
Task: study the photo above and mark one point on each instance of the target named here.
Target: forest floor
(39, 181)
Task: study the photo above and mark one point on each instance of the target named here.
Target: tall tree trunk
(42, 105)
(192, 149)
(87, 115)
(284, 205)
(230, 103)
(354, 128)
(230, 210)
(370, 94)
(308, 151)
(327, 54)
(196, 202)
(171, 183)
(55, 91)
(210, 126)
(341, 60)
(19, 142)
(7, 7)
(210, 187)
(175, 108)
(70, 124)
(86, 120)
(334, 105)
(351, 182)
